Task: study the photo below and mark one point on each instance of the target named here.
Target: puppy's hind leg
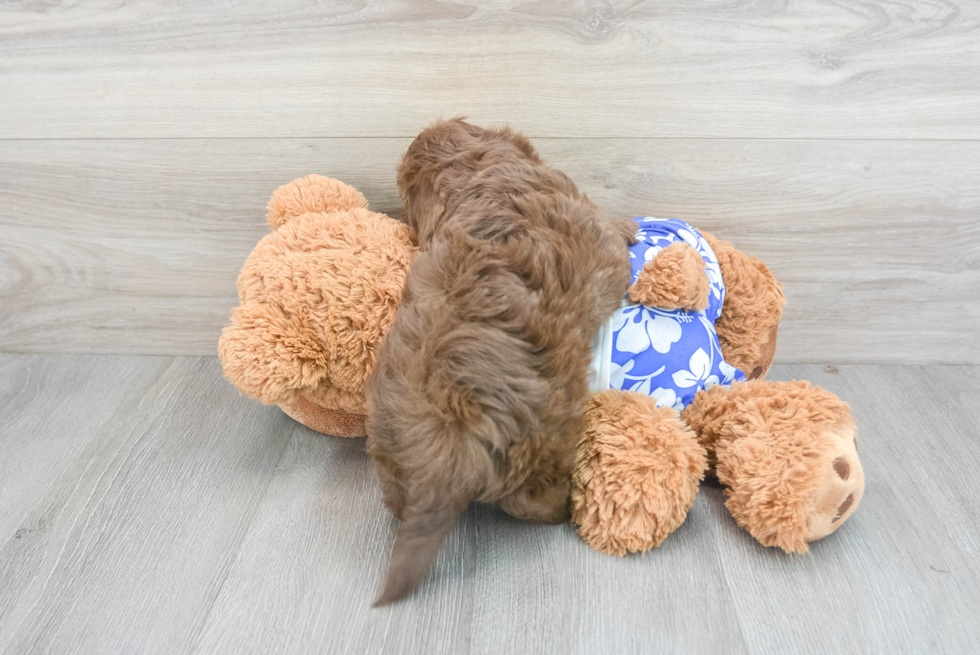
(540, 504)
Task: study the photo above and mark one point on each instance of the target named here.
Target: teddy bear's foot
(789, 458)
(328, 421)
(636, 473)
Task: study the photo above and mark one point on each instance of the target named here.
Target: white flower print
(665, 397)
(651, 253)
(714, 279)
(642, 386)
(617, 373)
(663, 332)
(619, 378)
(727, 370)
(639, 237)
(668, 398)
(700, 365)
(641, 329)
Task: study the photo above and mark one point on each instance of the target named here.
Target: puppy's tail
(416, 545)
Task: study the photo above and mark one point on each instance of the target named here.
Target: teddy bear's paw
(311, 194)
(787, 494)
(636, 474)
(674, 279)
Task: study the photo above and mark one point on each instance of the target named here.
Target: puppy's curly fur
(479, 388)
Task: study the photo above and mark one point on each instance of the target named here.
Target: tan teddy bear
(318, 294)
(786, 452)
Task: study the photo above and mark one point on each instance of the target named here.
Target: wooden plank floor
(146, 508)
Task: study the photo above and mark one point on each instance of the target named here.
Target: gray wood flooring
(146, 508)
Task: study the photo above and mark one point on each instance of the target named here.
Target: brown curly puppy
(479, 388)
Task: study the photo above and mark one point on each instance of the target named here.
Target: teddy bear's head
(753, 308)
(315, 297)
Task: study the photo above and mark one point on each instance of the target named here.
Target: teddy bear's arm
(637, 471)
(674, 279)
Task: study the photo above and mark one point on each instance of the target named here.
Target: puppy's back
(479, 387)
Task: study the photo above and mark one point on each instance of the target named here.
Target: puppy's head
(442, 158)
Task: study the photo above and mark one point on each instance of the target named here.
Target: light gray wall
(840, 144)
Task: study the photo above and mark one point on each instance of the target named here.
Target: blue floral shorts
(670, 355)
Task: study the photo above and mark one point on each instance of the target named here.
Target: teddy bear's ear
(270, 355)
(314, 193)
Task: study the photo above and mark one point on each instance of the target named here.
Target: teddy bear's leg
(636, 474)
(539, 502)
(278, 359)
(271, 355)
(787, 453)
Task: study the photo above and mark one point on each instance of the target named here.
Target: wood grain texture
(822, 69)
(499, 586)
(134, 246)
(190, 520)
(126, 546)
(52, 407)
(899, 577)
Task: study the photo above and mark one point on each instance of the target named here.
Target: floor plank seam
(194, 637)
